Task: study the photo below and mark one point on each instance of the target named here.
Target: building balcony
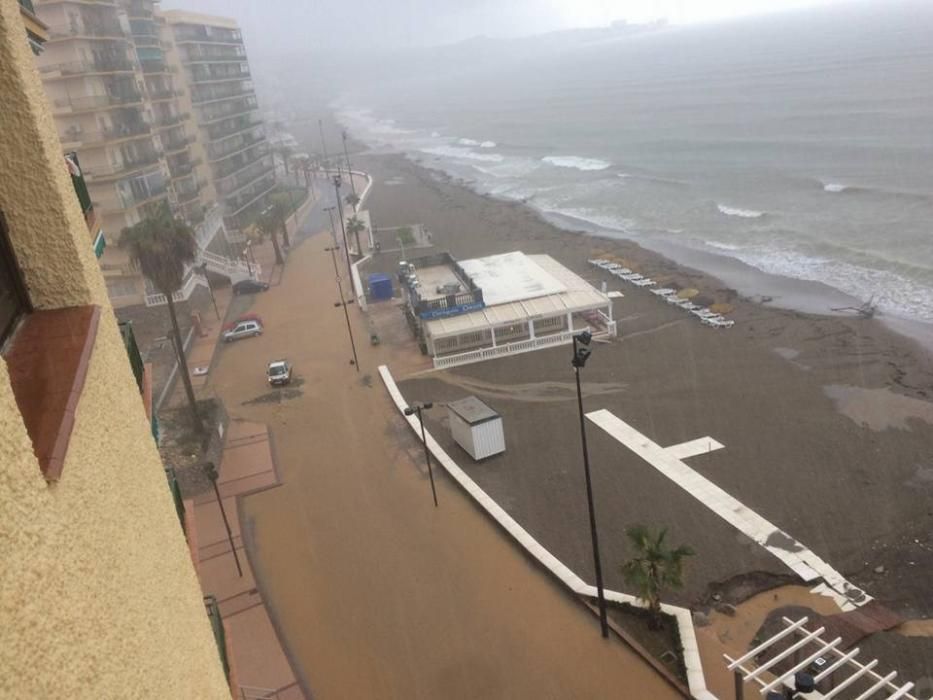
(138, 10)
(158, 94)
(103, 137)
(242, 203)
(229, 148)
(203, 96)
(176, 145)
(171, 120)
(182, 170)
(229, 167)
(218, 113)
(151, 66)
(245, 177)
(218, 76)
(96, 31)
(198, 57)
(126, 168)
(96, 102)
(95, 66)
(189, 195)
(199, 35)
(141, 199)
(232, 127)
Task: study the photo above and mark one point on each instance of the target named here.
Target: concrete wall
(98, 597)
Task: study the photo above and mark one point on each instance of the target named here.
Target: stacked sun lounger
(707, 317)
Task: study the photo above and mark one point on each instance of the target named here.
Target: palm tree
(355, 226)
(284, 153)
(267, 226)
(352, 199)
(654, 567)
(281, 210)
(164, 248)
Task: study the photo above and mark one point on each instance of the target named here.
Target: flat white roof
(510, 277)
(575, 294)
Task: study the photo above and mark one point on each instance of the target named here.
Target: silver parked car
(244, 329)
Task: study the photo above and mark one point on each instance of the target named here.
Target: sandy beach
(826, 419)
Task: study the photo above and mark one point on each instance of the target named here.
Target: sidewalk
(256, 654)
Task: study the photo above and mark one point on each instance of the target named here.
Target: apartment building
(209, 54)
(117, 105)
(98, 595)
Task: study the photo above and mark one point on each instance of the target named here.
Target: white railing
(205, 231)
(236, 270)
(358, 283)
(192, 281)
(521, 346)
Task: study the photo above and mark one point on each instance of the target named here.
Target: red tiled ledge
(48, 362)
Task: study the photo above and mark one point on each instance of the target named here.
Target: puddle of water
(787, 353)
(878, 409)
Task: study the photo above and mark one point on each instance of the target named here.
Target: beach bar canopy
(531, 302)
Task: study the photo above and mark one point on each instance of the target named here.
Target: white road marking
(798, 558)
(700, 446)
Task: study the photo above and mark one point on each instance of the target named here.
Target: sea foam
(741, 213)
(834, 187)
(463, 153)
(576, 162)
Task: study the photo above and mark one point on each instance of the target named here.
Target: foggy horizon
(298, 25)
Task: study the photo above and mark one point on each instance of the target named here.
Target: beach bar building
(478, 309)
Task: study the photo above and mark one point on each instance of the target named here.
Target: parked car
(250, 287)
(245, 317)
(244, 329)
(279, 372)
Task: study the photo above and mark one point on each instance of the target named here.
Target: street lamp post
(211, 471)
(320, 126)
(343, 134)
(581, 353)
(343, 230)
(333, 254)
(249, 268)
(417, 408)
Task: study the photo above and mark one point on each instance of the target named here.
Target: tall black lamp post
(581, 353)
(346, 154)
(343, 230)
(211, 472)
(417, 408)
(333, 254)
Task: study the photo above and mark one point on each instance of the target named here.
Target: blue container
(380, 287)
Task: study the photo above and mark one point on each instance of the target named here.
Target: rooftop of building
(517, 288)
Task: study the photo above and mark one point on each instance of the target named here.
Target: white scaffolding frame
(807, 647)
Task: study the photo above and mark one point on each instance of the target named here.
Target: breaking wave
(576, 162)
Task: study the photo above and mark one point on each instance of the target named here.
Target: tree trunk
(356, 235)
(285, 231)
(183, 366)
(279, 260)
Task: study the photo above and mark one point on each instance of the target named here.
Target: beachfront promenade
(377, 593)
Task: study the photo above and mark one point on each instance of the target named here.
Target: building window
(14, 301)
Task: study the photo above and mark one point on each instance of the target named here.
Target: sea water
(798, 143)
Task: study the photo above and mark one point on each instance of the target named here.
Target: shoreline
(788, 293)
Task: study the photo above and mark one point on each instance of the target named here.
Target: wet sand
(377, 593)
(854, 492)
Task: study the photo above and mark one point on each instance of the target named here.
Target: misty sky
(314, 24)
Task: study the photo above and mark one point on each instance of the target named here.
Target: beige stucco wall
(98, 597)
